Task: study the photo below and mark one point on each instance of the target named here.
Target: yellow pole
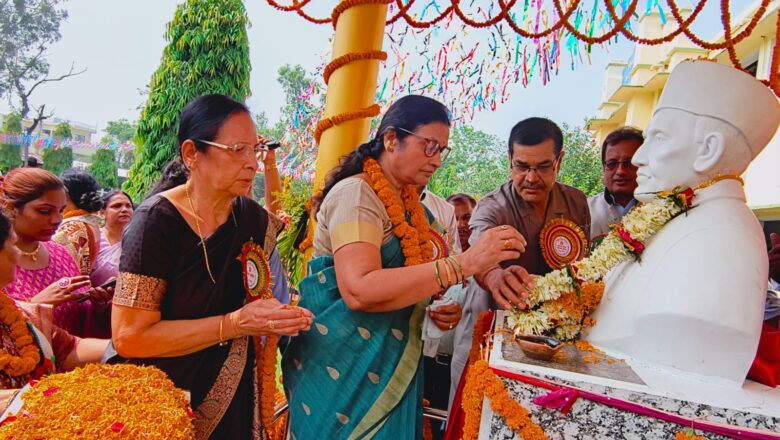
(360, 28)
(351, 87)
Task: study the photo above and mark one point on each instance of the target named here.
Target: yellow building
(631, 90)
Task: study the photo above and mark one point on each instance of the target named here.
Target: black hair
(83, 190)
(407, 113)
(626, 133)
(202, 118)
(107, 198)
(5, 228)
(534, 131)
(462, 198)
(32, 162)
(173, 175)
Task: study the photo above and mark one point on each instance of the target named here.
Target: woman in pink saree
(46, 273)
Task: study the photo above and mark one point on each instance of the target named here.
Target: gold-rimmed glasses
(258, 150)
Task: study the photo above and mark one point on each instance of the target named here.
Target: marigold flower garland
(103, 401)
(415, 238)
(550, 312)
(28, 352)
(481, 382)
(267, 381)
(689, 434)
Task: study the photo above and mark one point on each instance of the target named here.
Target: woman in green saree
(357, 374)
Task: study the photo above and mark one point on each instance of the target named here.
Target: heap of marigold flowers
(103, 402)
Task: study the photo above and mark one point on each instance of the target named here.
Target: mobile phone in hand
(105, 286)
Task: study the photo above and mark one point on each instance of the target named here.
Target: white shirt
(444, 214)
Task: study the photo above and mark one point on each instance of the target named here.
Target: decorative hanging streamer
(44, 141)
(469, 77)
(582, 22)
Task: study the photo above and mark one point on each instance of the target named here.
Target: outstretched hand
(509, 287)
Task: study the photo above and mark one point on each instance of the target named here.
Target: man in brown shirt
(530, 199)
(526, 202)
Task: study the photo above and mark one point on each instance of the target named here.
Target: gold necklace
(200, 234)
(33, 255)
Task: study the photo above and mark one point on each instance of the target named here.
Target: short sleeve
(76, 238)
(350, 213)
(148, 255)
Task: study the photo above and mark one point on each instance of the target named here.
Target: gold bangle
(438, 277)
(463, 280)
(222, 342)
(449, 273)
(457, 264)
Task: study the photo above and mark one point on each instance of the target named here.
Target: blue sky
(120, 42)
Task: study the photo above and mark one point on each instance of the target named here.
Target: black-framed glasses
(432, 146)
(542, 170)
(246, 149)
(612, 165)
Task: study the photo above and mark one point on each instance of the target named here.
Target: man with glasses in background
(610, 206)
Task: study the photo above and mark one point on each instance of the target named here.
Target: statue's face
(666, 159)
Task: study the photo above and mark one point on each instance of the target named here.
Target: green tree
(264, 126)
(10, 157)
(120, 130)
(299, 90)
(207, 52)
(27, 29)
(581, 167)
(12, 123)
(57, 160)
(476, 165)
(104, 169)
(126, 159)
(63, 130)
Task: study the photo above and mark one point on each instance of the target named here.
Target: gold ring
(503, 227)
(508, 244)
(271, 324)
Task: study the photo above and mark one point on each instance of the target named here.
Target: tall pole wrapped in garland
(207, 52)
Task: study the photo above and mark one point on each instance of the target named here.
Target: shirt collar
(611, 201)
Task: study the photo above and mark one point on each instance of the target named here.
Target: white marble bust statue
(694, 303)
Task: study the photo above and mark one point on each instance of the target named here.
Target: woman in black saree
(195, 285)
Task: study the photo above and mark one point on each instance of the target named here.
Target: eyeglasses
(612, 165)
(432, 146)
(242, 149)
(542, 170)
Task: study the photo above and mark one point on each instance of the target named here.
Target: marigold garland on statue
(28, 353)
(553, 310)
(415, 238)
(103, 401)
